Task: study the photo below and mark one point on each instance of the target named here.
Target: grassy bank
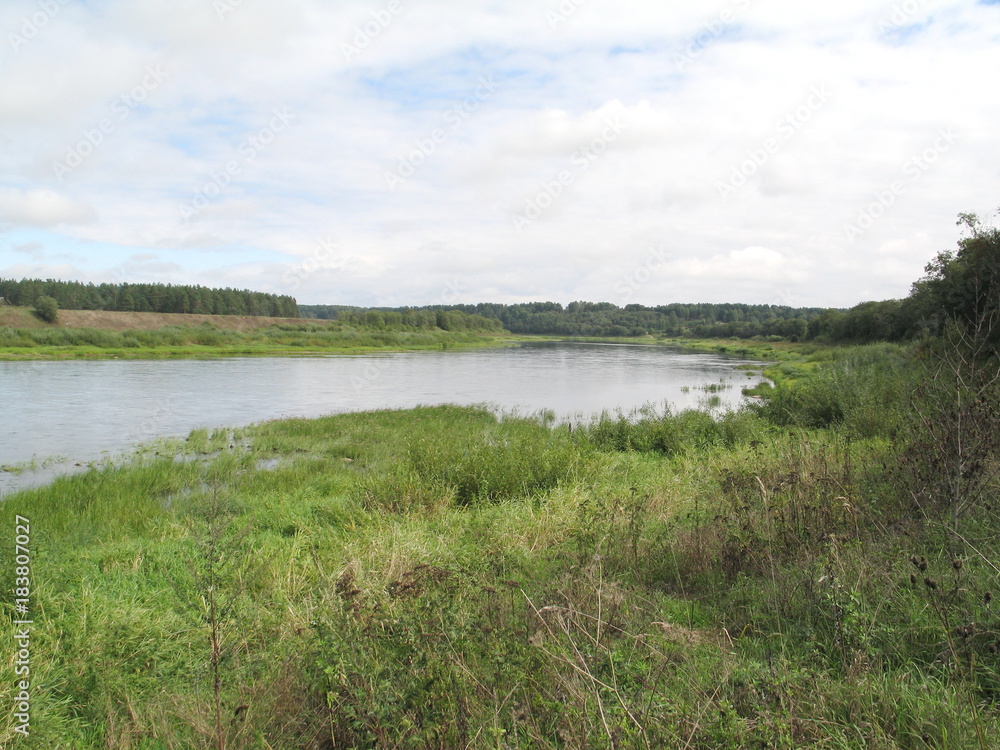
(439, 578)
(149, 335)
(784, 360)
(96, 334)
(107, 320)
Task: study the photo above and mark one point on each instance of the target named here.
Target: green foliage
(959, 285)
(964, 285)
(406, 319)
(166, 298)
(449, 457)
(949, 462)
(863, 390)
(215, 591)
(664, 432)
(191, 340)
(46, 308)
(595, 319)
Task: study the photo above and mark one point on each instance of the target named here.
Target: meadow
(816, 569)
(213, 337)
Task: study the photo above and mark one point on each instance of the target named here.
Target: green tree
(965, 285)
(46, 308)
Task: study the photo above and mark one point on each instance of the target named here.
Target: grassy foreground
(442, 578)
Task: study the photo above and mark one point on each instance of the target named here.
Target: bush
(47, 308)
(865, 391)
(649, 431)
(466, 456)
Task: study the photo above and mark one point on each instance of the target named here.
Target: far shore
(146, 335)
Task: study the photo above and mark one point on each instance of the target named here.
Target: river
(61, 415)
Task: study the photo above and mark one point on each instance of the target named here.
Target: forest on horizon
(954, 283)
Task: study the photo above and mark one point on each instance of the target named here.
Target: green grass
(750, 348)
(441, 577)
(209, 341)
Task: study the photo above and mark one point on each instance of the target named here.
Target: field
(442, 577)
(98, 334)
(21, 317)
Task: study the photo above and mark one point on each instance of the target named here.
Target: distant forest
(403, 318)
(605, 318)
(960, 285)
(162, 298)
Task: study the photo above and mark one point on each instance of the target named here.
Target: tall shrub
(46, 308)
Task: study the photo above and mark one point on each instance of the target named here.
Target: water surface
(60, 414)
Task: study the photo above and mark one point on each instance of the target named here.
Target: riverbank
(780, 360)
(98, 334)
(94, 334)
(395, 578)
(108, 406)
(105, 320)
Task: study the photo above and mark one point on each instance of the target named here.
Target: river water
(58, 415)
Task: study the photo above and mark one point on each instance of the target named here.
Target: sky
(417, 152)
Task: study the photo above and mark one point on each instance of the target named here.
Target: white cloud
(42, 208)
(751, 263)
(698, 91)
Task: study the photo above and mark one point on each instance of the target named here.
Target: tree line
(603, 319)
(403, 319)
(163, 298)
(962, 285)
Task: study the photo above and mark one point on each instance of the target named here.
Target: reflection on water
(80, 411)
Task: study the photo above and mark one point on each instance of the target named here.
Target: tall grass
(442, 577)
(864, 391)
(188, 339)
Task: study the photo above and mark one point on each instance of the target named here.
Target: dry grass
(21, 317)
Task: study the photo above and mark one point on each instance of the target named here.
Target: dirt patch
(21, 317)
(413, 582)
